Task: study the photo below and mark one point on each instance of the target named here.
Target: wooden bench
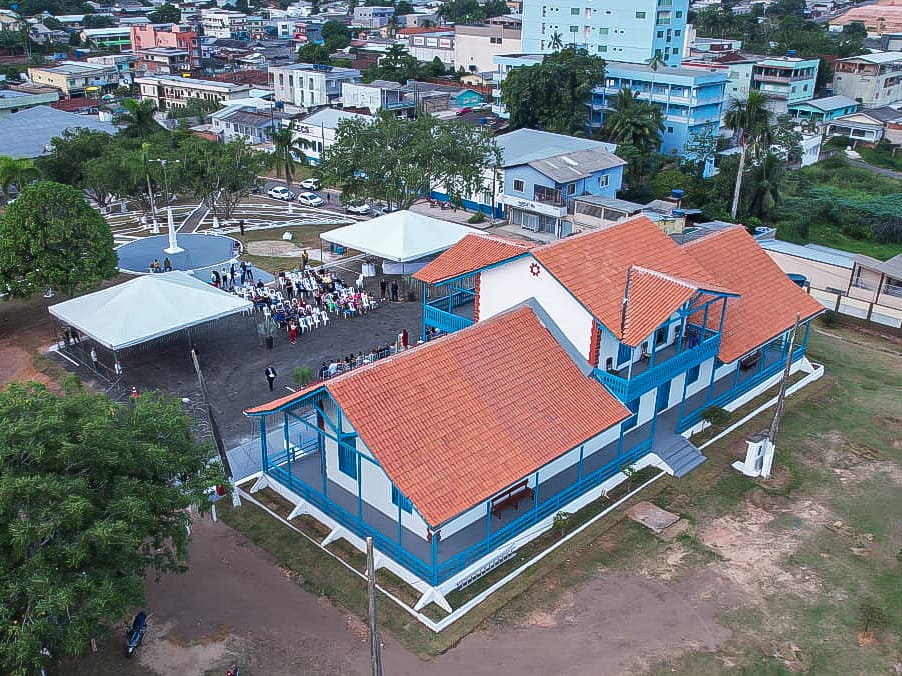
(511, 498)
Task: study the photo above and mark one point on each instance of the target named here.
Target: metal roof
(576, 165)
(330, 117)
(528, 145)
(612, 203)
(29, 132)
(828, 103)
(811, 252)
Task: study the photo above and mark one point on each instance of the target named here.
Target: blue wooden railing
(432, 572)
(746, 385)
(446, 321)
(632, 388)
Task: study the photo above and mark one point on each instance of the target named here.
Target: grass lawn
(827, 235)
(839, 448)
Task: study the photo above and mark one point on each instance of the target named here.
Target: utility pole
(375, 643)
(781, 398)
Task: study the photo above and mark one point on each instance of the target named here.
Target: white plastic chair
(325, 316)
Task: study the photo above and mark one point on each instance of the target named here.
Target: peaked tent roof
(400, 236)
(145, 308)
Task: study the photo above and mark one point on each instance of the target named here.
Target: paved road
(877, 170)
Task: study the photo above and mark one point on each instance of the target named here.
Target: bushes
(715, 415)
(478, 217)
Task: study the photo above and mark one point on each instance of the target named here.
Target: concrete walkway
(877, 170)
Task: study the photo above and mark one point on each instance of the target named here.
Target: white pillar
(173, 247)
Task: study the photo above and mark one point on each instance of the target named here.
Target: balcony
(669, 363)
(546, 207)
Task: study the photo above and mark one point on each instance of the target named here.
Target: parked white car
(359, 207)
(310, 199)
(311, 184)
(280, 192)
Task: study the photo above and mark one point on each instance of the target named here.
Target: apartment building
(223, 23)
(871, 79)
(171, 91)
(166, 37)
(631, 32)
(475, 47)
(308, 85)
(785, 80)
(75, 78)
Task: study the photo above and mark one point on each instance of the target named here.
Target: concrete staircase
(679, 454)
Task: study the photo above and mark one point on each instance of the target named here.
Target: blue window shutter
(624, 353)
(398, 499)
(347, 457)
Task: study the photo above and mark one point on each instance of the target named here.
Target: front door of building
(663, 397)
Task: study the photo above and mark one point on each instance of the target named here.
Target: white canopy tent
(147, 307)
(401, 236)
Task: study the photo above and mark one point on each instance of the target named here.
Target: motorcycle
(232, 671)
(135, 634)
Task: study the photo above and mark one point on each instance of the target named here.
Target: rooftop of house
(576, 165)
(891, 268)
(768, 300)
(27, 133)
(528, 145)
(447, 453)
(611, 203)
(694, 75)
(330, 117)
(827, 103)
(332, 71)
(245, 116)
(876, 57)
(812, 252)
(74, 68)
(473, 252)
(191, 82)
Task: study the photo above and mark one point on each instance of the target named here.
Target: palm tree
(15, 172)
(138, 118)
(556, 42)
(765, 195)
(288, 151)
(750, 121)
(638, 123)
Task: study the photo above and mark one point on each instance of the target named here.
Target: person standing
(134, 393)
(292, 332)
(305, 259)
(270, 375)
(250, 271)
(383, 285)
(241, 226)
(405, 339)
(394, 291)
(243, 267)
(94, 358)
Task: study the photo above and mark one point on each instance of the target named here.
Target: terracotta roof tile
(468, 255)
(768, 300)
(457, 420)
(594, 265)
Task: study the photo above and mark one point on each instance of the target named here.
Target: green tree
(416, 155)
(98, 21)
(554, 94)
(219, 174)
(72, 154)
(630, 120)
(701, 148)
(314, 53)
(12, 42)
(53, 23)
(403, 7)
(764, 180)
(336, 36)
(165, 13)
(750, 121)
(288, 151)
(397, 65)
(16, 172)
(51, 237)
(92, 495)
(138, 119)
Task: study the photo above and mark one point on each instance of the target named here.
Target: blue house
(564, 363)
(823, 110)
(692, 99)
(540, 175)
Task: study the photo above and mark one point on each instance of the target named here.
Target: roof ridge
(716, 233)
(663, 275)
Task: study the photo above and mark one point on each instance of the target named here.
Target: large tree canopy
(91, 494)
(400, 160)
(51, 237)
(219, 174)
(554, 94)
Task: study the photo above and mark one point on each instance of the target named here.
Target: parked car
(310, 199)
(311, 184)
(358, 207)
(280, 192)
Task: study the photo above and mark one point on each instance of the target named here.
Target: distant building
(308, 85)
(376, 95)
(631, 32)
(246, 122)
(171, 91)
(23, 97)
(10, 21)
(166, 37)
(223, 23)
(428, 44)
(785, 80)
(871, 79)
(76, 78)
(476, 46)
(823, 110)
(868, 125)
(373, 17)
(125, 64)
(28, 133)
(319, 130)
(115, 39)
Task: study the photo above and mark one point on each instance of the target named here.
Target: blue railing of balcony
(628, 389)
(446, 321)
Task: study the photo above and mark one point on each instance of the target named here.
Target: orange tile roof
(469, 254)
(594, 266)
(460, 419)
(768, 300)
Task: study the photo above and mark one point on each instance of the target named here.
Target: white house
(319, 130)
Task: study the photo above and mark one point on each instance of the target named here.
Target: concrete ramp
(679, 454)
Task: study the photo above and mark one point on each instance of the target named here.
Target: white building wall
(360, 96)
(505, 286)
